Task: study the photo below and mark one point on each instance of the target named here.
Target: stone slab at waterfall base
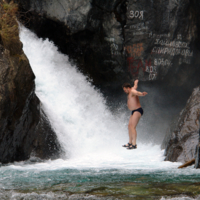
(182, 143)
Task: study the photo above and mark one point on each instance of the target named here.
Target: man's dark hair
(126, 85)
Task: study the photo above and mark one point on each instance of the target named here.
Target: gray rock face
(197, 157)
(24, 128)
(72, 13)
(180, 144)
(156, 42)
(116, 40)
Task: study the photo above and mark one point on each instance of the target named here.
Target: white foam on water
(89, 133)
(181, 198)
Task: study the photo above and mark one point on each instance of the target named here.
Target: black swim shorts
(140, 110)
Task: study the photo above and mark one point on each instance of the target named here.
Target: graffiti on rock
(184, 61)
(172, 51)
(135, 65)
(154, 35)
(173, 48)
(136, 14)
(135, 50)
(140, 26)
(162, 62)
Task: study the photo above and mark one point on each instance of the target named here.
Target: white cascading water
(89, 133)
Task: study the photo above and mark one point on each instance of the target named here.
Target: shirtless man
(133, 104)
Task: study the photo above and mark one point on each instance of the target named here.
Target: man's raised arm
(135, 84)
(137, 93)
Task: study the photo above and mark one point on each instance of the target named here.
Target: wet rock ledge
(24, 128)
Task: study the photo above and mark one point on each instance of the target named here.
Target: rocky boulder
(181, 143)
(24, 128)
(73, 14)
(89, 33)
(197, 157)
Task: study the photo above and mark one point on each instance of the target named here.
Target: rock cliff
(24, 128)
(182, 141)
(118, 40)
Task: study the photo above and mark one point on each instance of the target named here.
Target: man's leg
(130, 130)
(134, 119)
(130, 135)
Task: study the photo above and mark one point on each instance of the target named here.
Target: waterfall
(87, 130)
